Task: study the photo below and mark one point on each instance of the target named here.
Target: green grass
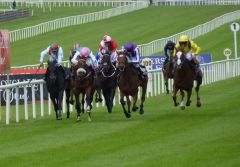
(139, 27)
(216, 41)
(40, 16)
(164, 136)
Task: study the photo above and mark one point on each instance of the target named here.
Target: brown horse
(167, 71)
(83, 83)
(128, 83)
(183, 78)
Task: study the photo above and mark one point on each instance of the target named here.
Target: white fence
(212, 72)
(158, 45)
(73, 20)
(66, 3)
(195, 2)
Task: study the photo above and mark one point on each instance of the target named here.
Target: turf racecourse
(164, 136)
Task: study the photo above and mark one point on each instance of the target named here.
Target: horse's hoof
(199, 104)
(78, 119)
(182, 107)
(188, 103)
(109, 111)
(134, 109)
(141, 111)
(89, 119)
(59, 118)
(167, 91)
(68, 116)
(128, 115)
(176, 104)
(88, 109)
(71, 102)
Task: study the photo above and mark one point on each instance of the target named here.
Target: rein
(108, 76)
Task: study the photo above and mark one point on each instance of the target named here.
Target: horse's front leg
(78, 106)
(123, 105)
(82, 102)
(144, 90)
(189, 94)
(60, 99)
(89, 99)
(174, 95)
(53, 99)
(197, 92)
(128, 104)
(111, 98)
(68, 94)
(182, 105)
(135, 108)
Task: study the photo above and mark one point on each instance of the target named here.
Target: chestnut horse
(168, 71)
(128, 83)
(183, 79)
(83, 83)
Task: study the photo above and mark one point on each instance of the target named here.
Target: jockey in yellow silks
(190, 50)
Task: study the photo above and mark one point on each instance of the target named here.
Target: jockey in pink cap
(87, 54)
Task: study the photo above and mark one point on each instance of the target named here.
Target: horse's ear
(119, 52)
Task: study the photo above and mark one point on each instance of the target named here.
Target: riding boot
(195, 66)
(46, 76)
(140, 72)
(165, 63)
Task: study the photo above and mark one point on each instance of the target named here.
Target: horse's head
(122, 61)
(52, 72)
(179, 58)
(81, 68)
(106, 62)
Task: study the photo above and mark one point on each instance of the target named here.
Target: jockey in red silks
(108, 46)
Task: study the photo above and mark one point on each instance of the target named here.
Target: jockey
(190, 49)
(56, 54)
(76, 47)
(168, 50)
(108, 46)
(87, 54)
(133, 56)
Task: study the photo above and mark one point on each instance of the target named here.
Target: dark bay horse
(107, 81)
(56, 84)
(184, 77)
(128, 83)
(168, 71)
(83, 83)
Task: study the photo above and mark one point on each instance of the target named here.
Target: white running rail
(38, 29)
(158, 45)
(212, 72)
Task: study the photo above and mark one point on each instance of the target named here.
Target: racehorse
(167, 71)
(128, 83)
(107, 81)
(83, 83)
(56, 84)
(183, 79)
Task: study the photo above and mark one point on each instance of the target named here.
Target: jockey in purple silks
(133, 55)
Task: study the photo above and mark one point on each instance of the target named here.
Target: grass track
(164, 136)
(39, 16)
(139, 27)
